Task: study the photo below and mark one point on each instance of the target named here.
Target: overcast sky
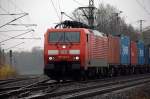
(42, 13)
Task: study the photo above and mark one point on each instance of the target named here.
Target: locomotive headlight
(50, 58)
(77, 58)
(64, 46)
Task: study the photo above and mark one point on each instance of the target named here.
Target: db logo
(141, 53)
(125, 50)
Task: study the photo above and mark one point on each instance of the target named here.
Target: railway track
(15, 79)
(47, 88)
(19, 89)
(17, 83)
(92, 90)
(45, 85)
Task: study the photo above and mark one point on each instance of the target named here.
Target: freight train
(80, 53)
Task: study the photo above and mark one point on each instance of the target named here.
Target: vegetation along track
(93, 89)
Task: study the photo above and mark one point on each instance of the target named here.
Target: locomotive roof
(69, 29)
(97, 33)
(87, 31)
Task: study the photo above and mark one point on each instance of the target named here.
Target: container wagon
(124, 54)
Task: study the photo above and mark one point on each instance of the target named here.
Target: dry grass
(7, 71)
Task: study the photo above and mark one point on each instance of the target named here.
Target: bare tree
(107, 20)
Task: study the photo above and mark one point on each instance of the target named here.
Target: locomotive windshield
(64, 37)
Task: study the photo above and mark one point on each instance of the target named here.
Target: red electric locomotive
(78, 53)
(72, 52)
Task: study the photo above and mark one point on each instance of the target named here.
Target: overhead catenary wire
(17, 36)
(4, 9)
(55, 10)
(5, 35)
(68, 16)
(38, 38)
(15, 30)
(78, 3)
(59, 5)
(32, 38)
(15, 17)
(14, 4)
(143, 7)
(17, 7)
(13, 20)
(26, 25)
(8, 12)
(12, 14)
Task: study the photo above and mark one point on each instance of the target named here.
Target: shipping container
(141, 58)
(113, 50)
(133, 53)
(124, 50)
(147, 55)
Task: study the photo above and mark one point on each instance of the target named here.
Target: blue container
(141, 56)
(147, 55)
(125, 50)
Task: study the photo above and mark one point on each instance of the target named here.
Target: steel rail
(49, 87)
(2, 82)
(17, 91)
(73, 92)
(104, 90)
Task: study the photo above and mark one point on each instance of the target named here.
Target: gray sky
(42, 13)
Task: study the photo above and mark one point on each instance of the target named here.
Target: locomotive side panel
(98, 50)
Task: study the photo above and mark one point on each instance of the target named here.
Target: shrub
(7, 71)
